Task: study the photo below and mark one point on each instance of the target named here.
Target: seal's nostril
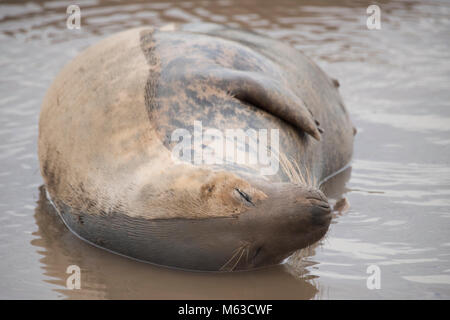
(321, 209)
(319, 203)
(320, 213)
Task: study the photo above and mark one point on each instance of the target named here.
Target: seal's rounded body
(106, 147)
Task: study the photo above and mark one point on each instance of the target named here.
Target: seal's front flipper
(266, 94)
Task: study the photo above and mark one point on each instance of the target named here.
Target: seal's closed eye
(244, 195)
(267, 94)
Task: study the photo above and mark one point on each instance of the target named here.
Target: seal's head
(286, 218)
(260, 223)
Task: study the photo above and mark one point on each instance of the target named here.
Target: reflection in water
(394, 82)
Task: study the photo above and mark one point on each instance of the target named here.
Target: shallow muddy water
(395, 82)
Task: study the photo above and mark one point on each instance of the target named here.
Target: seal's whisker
(283, 161)
(235, 253)
(308, 177)
(289, 169)
(239, 253)
(301, 176)
(239, 259)
(293, 171)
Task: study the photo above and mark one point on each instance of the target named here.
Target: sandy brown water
(396, 85)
